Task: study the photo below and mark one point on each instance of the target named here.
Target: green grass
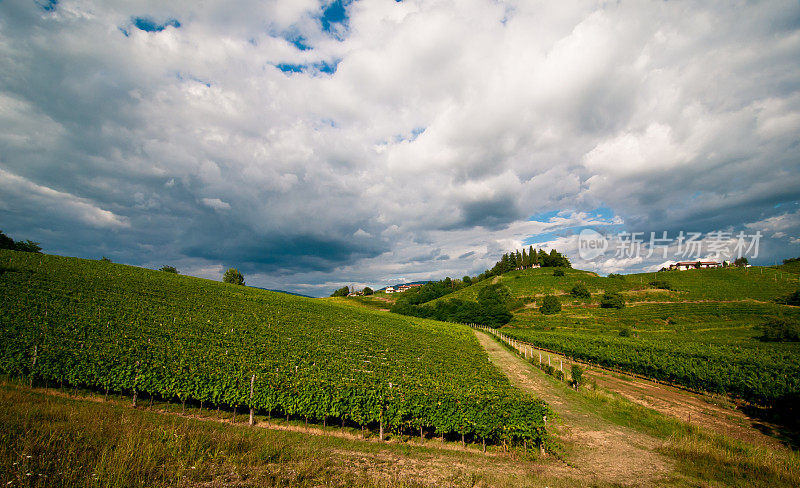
(367, 302)
(701, 458)
(720, 284)
(65, 441)
(703, 333)
(120, 327)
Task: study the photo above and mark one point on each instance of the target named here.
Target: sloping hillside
(756, 283)
(117, 327)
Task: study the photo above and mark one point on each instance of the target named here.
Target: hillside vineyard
(121, 328)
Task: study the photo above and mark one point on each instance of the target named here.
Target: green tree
(533, 256)
(577, 375)
(496, 293)
(106, 259)
(550, 305)
(5, 241)
(580, 291)
(169, 269)
(368, 290)
(612, 300)
(741, 262)
(341, 292)
(780, 329)
(466, 280)
(558, 272)
(233, 276)
(28, 246)
(525, 260)
(24, 246)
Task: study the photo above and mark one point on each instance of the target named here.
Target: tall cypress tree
(534, 257)
(518, 260)
(525, 260)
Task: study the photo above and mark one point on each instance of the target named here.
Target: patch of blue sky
(410, 137)
(541, 238)
(334, 13)
(299, 42)
(544, 216)
(600, 213)
(148, 24)
(604, 213)
(47, 5)
(326, 67)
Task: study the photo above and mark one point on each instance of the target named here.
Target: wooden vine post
(252, 410)
(35, 351)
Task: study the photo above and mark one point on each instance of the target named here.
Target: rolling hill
(702, 332)
(122, 328)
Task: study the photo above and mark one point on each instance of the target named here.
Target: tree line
(494, 302)
(24, 246)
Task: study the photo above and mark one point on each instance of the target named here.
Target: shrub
(742, 261)
(577, 375)
(625, 332)
(550, 305)
(780, 330)
(368, 290)
(661, 284)
(615, 276)
(233, 276)
(105, 259)
(790, 299)
(612, 300)
(580, 291)
(169, 269)
(341, 292)
(558, 272)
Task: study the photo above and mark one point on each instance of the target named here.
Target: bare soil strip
(716, 414)
(597, 449)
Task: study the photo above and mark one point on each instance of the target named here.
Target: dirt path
(721, 417)
(715, 414)
(597, 449)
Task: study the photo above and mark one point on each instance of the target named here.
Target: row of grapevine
(765, 374)
(122, 328)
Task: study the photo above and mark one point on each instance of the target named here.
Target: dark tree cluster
(341, 292)
(490, 309)
(780, 330)
(530, 258)
(434, 289)
(24, 246)
(790, 299)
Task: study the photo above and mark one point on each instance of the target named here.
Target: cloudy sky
(313, 144)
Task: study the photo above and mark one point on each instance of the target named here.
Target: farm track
(713, 413)
(596, 449)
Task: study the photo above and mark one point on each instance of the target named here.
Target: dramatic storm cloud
(314, 143)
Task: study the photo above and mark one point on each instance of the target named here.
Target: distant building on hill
(401, 288)
(684, 265)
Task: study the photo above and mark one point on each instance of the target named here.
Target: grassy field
(694, 285)
(701, 333)
(51, 439)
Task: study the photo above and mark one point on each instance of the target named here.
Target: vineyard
(693, 285)
(696, 328)
(704, 346)
(120, 328)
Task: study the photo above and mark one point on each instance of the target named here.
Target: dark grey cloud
(166, 132)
